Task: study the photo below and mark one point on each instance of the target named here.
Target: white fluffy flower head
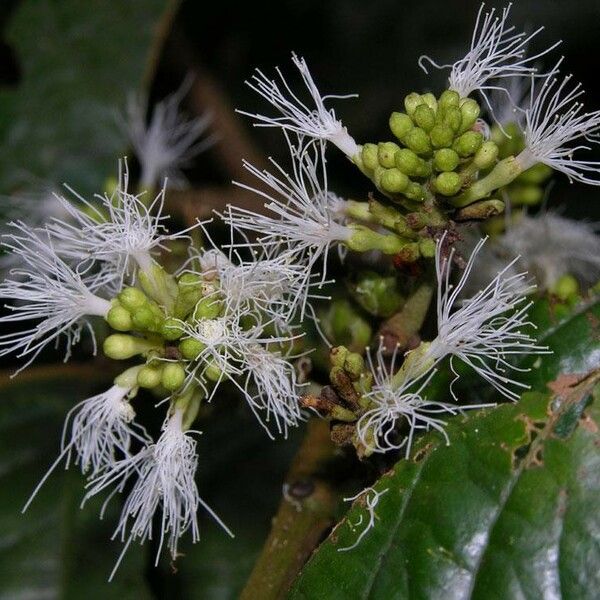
(47, 291)
(496, 52)
(315, 121)
(169, 141)
(554, 120)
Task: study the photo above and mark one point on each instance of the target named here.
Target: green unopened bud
(468, 143)
(449, 98)
(213, 372)
(208, 307)
(415, 191)
(386, 152)
(394, 181)
(411, 102)
(189, 291)
(171, 329)
(337, 356)
(173, 376)
(410, 164)
(132, 298)
(445, 159)
(369, 156)
(427, 248)
(566, 287)
(343, 324)
(424, 117)
(418, 141)
(448, 184)
(430, 100)
(469, 109)
(451, 117)
(441, 136)
(486, 156)
(378, 294)
(364, 239)
(400, 124)
(149, 376)
(479, 211)
(120, 347)
(159, 285)
(526, 195)
(354, 365)
(191, 348)
(145, 319)
(119, 318)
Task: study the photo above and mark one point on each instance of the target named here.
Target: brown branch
(305, 515)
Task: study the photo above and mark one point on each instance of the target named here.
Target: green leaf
(510, 509)
(54, 550)
(78, 61)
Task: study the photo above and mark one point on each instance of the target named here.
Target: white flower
(553, 120)
(486, 329)
(315, 121)
(47, 291)
(393, 400)
(99, 430)
(168, 142)
(496, 52)
(122, 232)
(165, 474)
(550, 246)
(370, 501)
(252, 361)
(304, 213)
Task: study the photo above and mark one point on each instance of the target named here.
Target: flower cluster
(234, 315)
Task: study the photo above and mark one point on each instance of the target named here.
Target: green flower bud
(486, 156)
(145, 319)
(410, 164)
(449, 98)
(191, 348)
(132, 298)
(377, 294)
(566, 287)
(418, 141)
(400, 124)
(469, 109)
(213, 372)
(451, 117)
(441, 136)
(354, 365)
(411, 102)
(119, 318)
(364, 239)
(415, 191)
(159, 285)
(480, 211)
(343, 324)
(120, 347)
(430, 100)
(337, 356)
(369, 156)
(173, 376)
(394, 181)
(189, 291)
(171, 329)
(468, 143)
(424, 117)
(150, 376)
(208, 307)
(386, 152)
(448, 184)
(445, 159)
(427, 248)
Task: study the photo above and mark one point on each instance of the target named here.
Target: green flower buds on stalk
(386, 153)
(189, 291)
(191, 348)
(119, 317)
(119, 346)
(150, 375)
(173, 376)
(400, 124)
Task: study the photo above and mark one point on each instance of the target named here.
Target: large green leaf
(54, 550)
(510, 509)
(78, 61)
